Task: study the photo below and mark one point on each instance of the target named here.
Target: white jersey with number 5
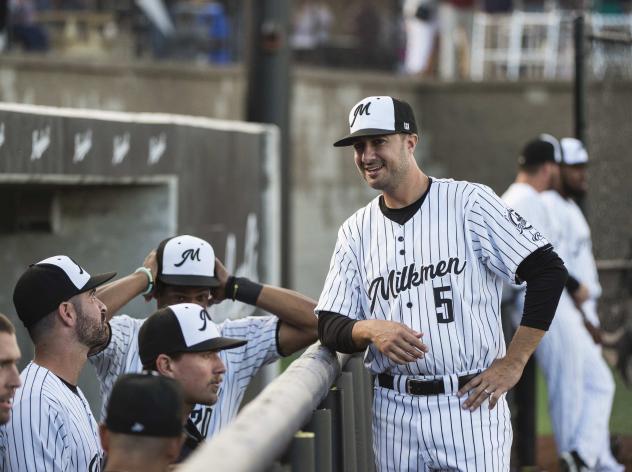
(439, 273)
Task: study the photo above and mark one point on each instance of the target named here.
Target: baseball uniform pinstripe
(52, 428)
(580, 384)
(439, 273)
(242, 363)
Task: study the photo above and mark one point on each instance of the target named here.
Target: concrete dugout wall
(106, 188)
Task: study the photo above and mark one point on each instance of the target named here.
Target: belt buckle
(409, 390)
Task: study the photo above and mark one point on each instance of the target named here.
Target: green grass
(620, 419)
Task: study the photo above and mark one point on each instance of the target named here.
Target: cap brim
(217, 344)
(190, 280)
(97, 280)
(351, 138)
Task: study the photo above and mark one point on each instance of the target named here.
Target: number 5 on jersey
(443, 304)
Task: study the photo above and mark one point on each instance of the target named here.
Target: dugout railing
(314, 417)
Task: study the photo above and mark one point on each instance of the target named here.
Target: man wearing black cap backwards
(172, 343)
(143, 428)
(53, 427)
(185, 270)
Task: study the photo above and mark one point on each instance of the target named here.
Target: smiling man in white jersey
(187, 271)
(416, 279)
(52, 426)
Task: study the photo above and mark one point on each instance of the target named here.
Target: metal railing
(314, 417)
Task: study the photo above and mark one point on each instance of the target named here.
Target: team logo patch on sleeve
(522, 225)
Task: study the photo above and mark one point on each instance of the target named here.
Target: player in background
(185, 270)
(579, 382)
(143, 427)
(179, 343)
(53, 427)
(416, 280)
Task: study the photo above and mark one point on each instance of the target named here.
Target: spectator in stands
(421, 31)
(24, 29)
(311, 26)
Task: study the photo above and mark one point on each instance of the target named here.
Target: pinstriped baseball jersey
(440, 273)
(52, 428)
(121, 356)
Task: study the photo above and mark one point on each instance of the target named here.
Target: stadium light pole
(268, 94)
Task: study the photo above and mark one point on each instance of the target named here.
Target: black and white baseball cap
(575, 153)
(186, 261)
(373, 116)
(146, 404)
(46, 284)
(185, 327)
(544, 148)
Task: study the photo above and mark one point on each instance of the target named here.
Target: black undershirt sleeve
(572, 284)
(334, 332)
(545, 274)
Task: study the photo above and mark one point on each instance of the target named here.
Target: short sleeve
(500, 236)
(342, 292)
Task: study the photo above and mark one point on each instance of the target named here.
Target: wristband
(243, 290)
(150, 279)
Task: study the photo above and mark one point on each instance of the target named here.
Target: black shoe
(572, 462)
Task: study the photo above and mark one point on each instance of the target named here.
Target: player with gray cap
(180, 342)
(185, 269)
(53, 427)
(143, 428)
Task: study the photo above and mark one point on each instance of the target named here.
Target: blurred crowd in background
(430, 38)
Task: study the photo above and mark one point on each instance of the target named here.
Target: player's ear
(67, 313)
(411, 141)
(164, 365)
(105, 438)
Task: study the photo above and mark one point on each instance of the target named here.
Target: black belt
(422, 387)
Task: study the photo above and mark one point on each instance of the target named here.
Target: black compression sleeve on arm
(334, 332)
(572, 284)
(545, 274)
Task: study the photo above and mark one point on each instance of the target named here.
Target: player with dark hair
(179, 343)
(415, 280)
(53, 427)
(143, 427)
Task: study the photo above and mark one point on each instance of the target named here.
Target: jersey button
(409, 304)
(402, 252)
(401, 238)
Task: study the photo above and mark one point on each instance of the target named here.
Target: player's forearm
(117, 294)
(290, 307)
(522, 346)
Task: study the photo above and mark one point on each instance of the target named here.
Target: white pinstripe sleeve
(342, 290)
(500, 237)
(119, 356)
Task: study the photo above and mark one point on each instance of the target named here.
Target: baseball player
(9, 374)
(179, 343)
(579, 382)
(415, 279)
(143, 427)
(52, 426)
(187, 271)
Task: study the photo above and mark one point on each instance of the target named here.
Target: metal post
(302, 455)
(333, 402)
(345, 383)
(579, 89)
(357, 374)
(525, 399)
(320, 425)
(269, 95)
